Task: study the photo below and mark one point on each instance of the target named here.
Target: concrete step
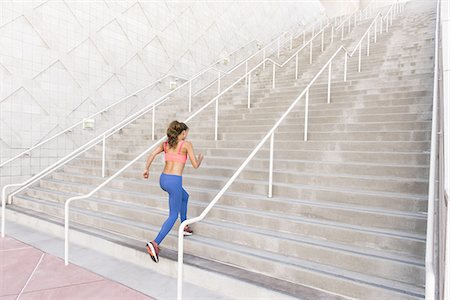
(417, 147)
(301, 269)
(345, 168)
(255, 238)
(381, 239)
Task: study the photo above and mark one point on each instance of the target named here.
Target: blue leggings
(178, 199)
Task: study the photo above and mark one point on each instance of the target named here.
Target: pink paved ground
(51, 279)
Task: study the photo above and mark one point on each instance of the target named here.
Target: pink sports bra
(178, 157)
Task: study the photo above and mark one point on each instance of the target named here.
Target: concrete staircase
(347, 218)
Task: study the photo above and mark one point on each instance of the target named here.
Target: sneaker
(187, 230)
(153, 251)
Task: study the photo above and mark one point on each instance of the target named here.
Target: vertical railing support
(4, 202)
(387, 23)
(321, 47)
(332, 34)
(304, 38)
(190, 96)
(345, 66)
(218, 82)
(103, 155)
(342, 33)
(305, 138)
(249, 89)
(271, 165)
(216, 121)
(278, 52)
(264, 59)
(329, 84)
(66, 234)
(290, 44)
(375, 32)
(246, 71)
(296, 66)
(153, 122)
(359, 58)
(368, 43)
(310, 52)
(180, 264)
(381, 25)
(273, 75)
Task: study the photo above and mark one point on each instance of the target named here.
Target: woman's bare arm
(196, 162)
(150, 159)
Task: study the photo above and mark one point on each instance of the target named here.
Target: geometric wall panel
(63, 60)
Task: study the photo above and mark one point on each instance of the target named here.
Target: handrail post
(310, 52)
(249, 89)
(246, 71)
(354, 23)
(264, 59)
(368, 43)
(216, 121)
(375, 33)
(329, 83)
(392, 17)
(387, 23)
(218, 82)
(66, 233)
(153, 122)
(271, 166)
(381, 25)
(359, 58)
(342, 33)
(321, 48)
(296, 66)
(273, 75)
(360, 15)
(290, 46)
(278, 52)
(332, 34)
(4, 204)
(190, 96)
(305, 138)
(180, 264)
(349, 25)
(345, 66)
(304, 38)
(103, 155)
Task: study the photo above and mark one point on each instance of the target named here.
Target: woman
(176, 150)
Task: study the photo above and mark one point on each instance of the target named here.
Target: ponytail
(173, 131)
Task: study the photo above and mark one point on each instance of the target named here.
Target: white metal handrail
(430, 279)
(270, 135)
(102, 137)
(214, 100)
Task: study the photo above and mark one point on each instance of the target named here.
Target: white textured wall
(335, 8)
(61, 60)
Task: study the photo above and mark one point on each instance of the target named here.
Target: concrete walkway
(29, 273)
(90, 275)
